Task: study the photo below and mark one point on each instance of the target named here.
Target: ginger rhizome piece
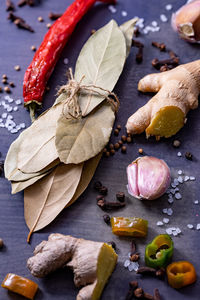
(91, 262)
(165, 114)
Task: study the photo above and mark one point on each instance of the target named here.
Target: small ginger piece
(91, 262)
(165, 114)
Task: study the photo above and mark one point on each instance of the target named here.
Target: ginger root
(92, 262)
(165, 114)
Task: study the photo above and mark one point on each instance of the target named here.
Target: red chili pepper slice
(44, 61)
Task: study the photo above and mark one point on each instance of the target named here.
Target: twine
(74, 88)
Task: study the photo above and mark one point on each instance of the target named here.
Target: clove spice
(9, 5)
(26, 2)
(160, 46)
(156, 295)
(105, 205)
(19, 22)
(134, 256)
(132, 286)
(140, 46)
(54, 16)
(159, 273)
(169, 62)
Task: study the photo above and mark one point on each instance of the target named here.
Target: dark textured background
(84, 218)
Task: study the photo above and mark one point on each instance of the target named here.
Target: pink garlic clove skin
(148, 178)
(186, 21)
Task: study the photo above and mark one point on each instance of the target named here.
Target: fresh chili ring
(44, 61)
(180, 274)
(159, 252)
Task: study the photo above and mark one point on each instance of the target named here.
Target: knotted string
(74, 88)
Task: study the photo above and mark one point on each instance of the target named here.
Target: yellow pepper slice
(181, 273)
(135, 227)
(20, 285)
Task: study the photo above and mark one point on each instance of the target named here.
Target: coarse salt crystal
(15, 108)
(180, 179)
(159, 223)
(192, 178)
(179, 154)
(18, 101)
(112, 9)
(13, 131)
(176, 189)
(174, 233)
(133, 266)
(170, 211)
(190, 226)
(166, 220)
(178, 196)
(124, 13)
(168, 7)
(198, 227)
(154, 23)
(173, 185)
(4, 115)
(164, 210)
(163, 18)
(186, 178)
(178, 230)
(169, 231)
(176, 182)
(196, 201)
(9, 109)
(180, 172)
(170, 200)
(1, 120)
(22, 125)
(127, 263)
(172, 191)
(66, 61)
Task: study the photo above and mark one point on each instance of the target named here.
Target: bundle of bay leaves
(55, 158)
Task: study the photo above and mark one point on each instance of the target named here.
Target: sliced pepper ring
(159, 252)
(181, 273)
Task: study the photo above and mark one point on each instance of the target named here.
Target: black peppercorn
(123, 150)
(124, 138)
(120, 196)
(116, 132)
(129, 139)
(97, 185)
(100, 197)
(107, 154)
(106, 219)
(117, 146)
(112, 151)
(103, 190)
(1, 243)
(119, 127)
(120, 143)
(188, 155)
(111, 146)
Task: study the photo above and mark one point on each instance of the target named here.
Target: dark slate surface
(84, 218)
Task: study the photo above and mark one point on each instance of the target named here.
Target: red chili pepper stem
(46, 57)
(32, 109)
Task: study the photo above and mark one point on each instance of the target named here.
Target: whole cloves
(120, 196)
(19, 22)
(103, 190)
(97, 185)
(160, 46)
(9, 5)
(188, 155)
(105, 205)
(156, 295)
(159, 273)
(54, 16)
(138, 293)
(139, 56)
(132, 286)
(106, 219)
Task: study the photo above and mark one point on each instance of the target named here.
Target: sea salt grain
(180, 179)
(124, 13)
(196, 202)
(168, 7)
(170, 200)
(190, 226)
(4, 115)
(192, 178)
(179, 154)
(178, 196)
(154, 23)
(127, 263)
(164, 210)
(18, 102)
(15, 108)
(169, 211)
(163, 18)
(133, 266)
(112, 9)
(198, 227)
(159, 223)
(166, 220)
(186, 178)
(180, 172)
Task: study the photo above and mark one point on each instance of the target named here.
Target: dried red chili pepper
(44, 61)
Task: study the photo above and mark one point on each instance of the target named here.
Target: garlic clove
(186, 21)
(148, 178)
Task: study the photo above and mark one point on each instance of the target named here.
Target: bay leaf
(88, 171)
(37, 148)
(18, 186)
(128, 29)
(78, 140)
(100, 63)
(45, 199)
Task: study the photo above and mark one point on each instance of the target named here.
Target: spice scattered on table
(40, 19)
(176, 143)
(189, 155)
(33, 48)
(1, 241)
(10, 5)
(106, 219)
(54, 16)
(19, 22)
